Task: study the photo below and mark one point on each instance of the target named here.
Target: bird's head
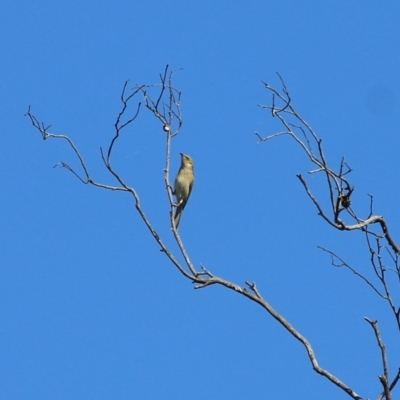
(186, 160)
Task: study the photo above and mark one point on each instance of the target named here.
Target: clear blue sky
(89, 306)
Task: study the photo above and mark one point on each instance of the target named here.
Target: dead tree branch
(163, 101)
(339, 186)
(340, 213)
(384, 379)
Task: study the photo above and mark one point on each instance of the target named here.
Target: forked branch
(163, 101)
(339, 187)
(384, 379)
(340, 213)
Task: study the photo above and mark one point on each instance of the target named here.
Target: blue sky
(89, 306)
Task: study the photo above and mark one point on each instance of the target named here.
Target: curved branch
(355, 272)
(255, 296)
(336, 181)
(169, 114)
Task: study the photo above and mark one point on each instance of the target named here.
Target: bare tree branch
(339, 192)
(163, 101)
(344, 264)
(339, 187)
(384, 379)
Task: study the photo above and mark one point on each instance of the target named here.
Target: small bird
(183, 186)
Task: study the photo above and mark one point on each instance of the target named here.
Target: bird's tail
(177, 216)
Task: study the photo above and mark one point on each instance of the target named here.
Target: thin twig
(384, 379)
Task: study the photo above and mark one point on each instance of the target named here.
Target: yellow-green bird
(183, 185)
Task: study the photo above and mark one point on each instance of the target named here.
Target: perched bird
(183, 186)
